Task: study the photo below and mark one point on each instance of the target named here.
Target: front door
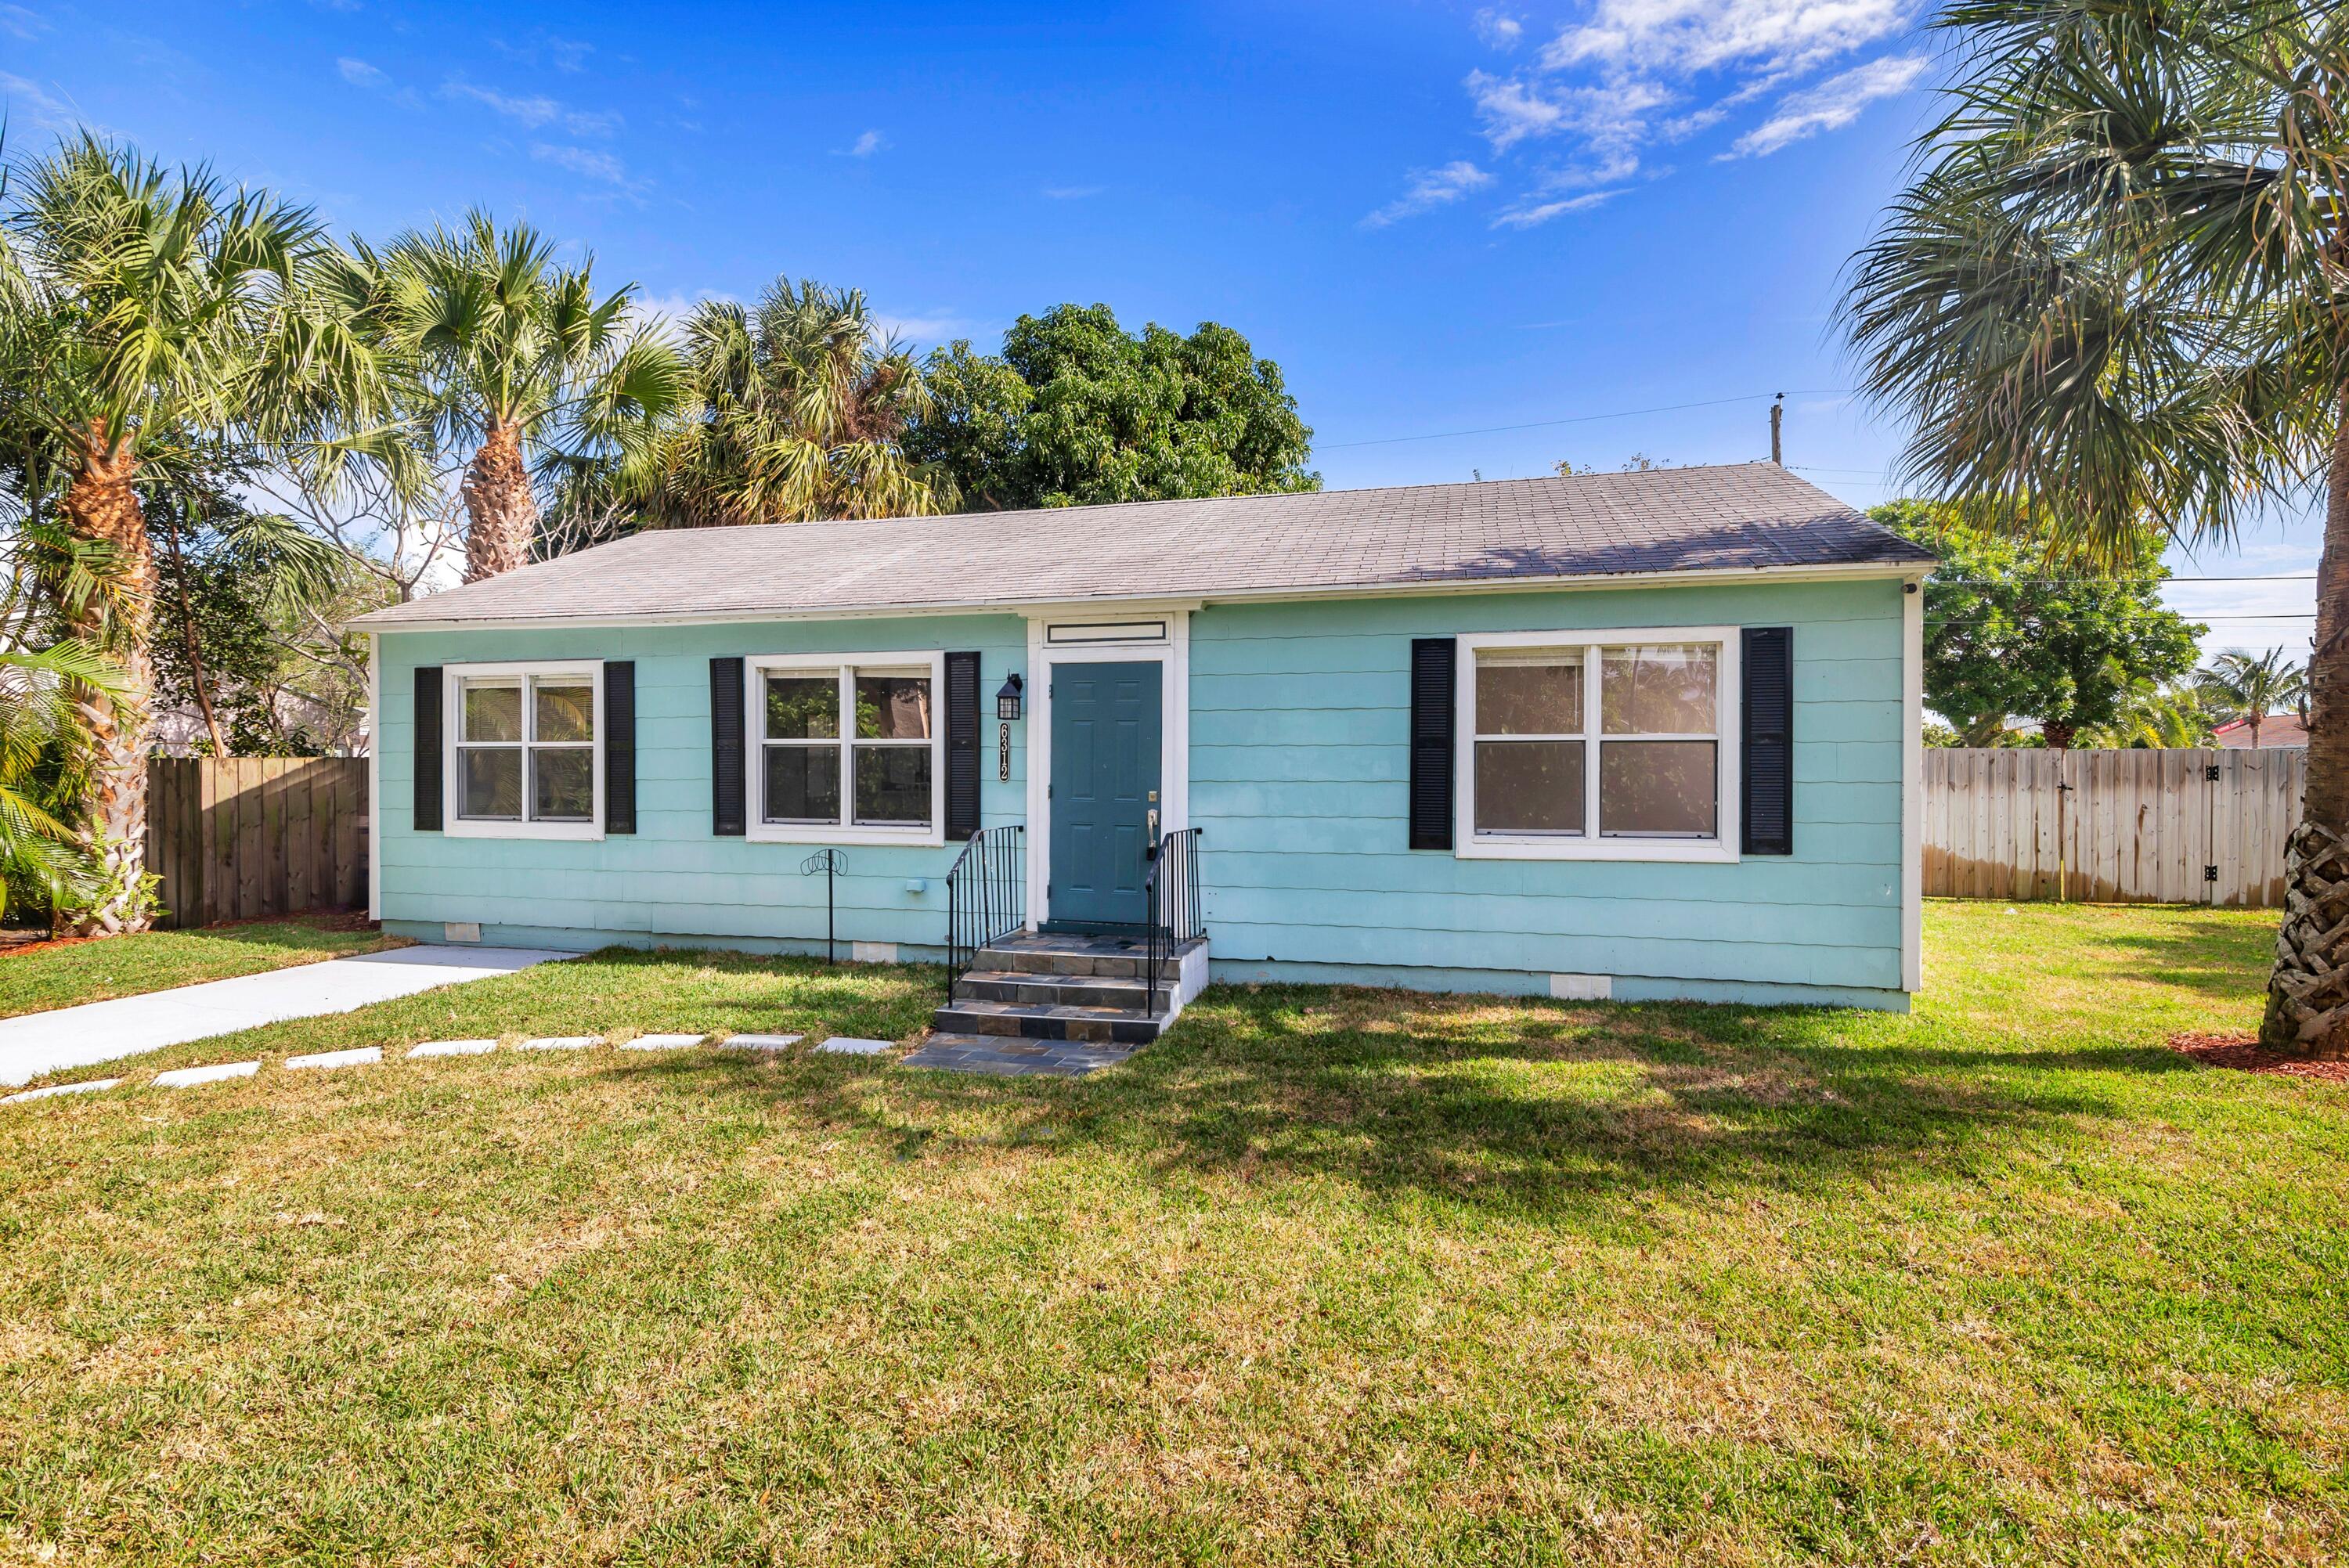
(1104, 784)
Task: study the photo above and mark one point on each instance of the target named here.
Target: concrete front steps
(1051, 1003)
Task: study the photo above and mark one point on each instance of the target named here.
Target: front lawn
(1324, 1276)
(62, 975)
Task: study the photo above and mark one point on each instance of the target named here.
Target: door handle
(1150, 849)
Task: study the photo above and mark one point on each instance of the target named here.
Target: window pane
(566, 709)
(1529, 694)
(492, 712)
(1657, 787)
(803, 708)
(1529, 786)
(1664, 689)
(802, 784)
(563, 784)
(893, 708)
(893, 784)
(489, 782)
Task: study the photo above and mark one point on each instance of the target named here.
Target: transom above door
(1106, 792)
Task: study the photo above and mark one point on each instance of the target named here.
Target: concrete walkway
(100, 1031)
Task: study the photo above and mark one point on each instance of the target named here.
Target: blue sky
(1438, 218)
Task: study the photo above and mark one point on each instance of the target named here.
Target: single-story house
(1638, 736)
(2277, 730)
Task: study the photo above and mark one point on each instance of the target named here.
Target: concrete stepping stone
(452, 1049)
(188, 1078)
(663, 1042)
(562, 1043)
(359, 1057)
(850, 1046)
(91, 1086)
(760, 1042)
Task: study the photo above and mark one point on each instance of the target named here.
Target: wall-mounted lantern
(1007, 700)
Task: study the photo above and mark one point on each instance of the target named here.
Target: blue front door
(1105, 730)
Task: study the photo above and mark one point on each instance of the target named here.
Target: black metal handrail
(987, 896)
(1172, 884)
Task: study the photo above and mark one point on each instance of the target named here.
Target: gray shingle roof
(1748, 515)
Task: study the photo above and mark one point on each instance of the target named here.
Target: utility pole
(1777, 422)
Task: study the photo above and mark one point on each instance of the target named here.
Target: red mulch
(14, 942)
(2245, 1054)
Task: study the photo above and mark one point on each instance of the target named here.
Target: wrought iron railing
(1173, 885)
(987, 896)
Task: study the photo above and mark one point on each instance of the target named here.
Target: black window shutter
(728, 814)
(1768, 768)
(619, 745)
(962, 745)
(428, 749)
(1434, 661)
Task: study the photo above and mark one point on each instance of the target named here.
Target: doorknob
(1154, 824)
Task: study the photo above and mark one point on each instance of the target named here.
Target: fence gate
(2111, 827)
(236, 838)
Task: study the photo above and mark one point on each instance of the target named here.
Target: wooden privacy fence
(2111, 827)
(235, 838)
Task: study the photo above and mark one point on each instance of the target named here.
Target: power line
(1585, 419)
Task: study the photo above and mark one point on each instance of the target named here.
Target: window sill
(471, 828)
(815, 833)
(1681, 851)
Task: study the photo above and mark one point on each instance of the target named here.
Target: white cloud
(19, 23)
(1530, 216)
(1830, 106)
(1070, 192)
(21, 98)
(937, 327)
(359, 73)
(1512, 111)
(1428, 188)
(1499, 29)
(534, 111)
(1685, 37)
(587, 161)
(871, 142)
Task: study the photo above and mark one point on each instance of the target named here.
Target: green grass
(74, 973)
(1325, 1276)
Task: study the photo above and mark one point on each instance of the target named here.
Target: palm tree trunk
(102, 505)
(501, 510)
(2308, 993)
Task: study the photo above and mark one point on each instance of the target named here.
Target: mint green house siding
(1299, 729)
(671, 883)
(1291, 725)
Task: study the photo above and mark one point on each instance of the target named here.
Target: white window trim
(754, 735)
(1722, 850)
(453, 725)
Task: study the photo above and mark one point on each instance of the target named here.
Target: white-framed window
(1604, 745)
(524, 750)
(848, 748)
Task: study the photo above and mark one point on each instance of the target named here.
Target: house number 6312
(1003, 754)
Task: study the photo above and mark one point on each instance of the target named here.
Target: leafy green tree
(2011, 632)
(1077, 411)
(799, 409)
(2251, 686)
(2113, 297)
(2163, 716)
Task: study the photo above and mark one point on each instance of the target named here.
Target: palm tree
(799, 411)
(512, 354)
(2249, 689)
(2170, 715)
(139, 304)
(2118, 293)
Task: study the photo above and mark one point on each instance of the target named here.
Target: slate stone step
(1061, 990)
(1121, 1026)
(1108, 957)
(1005, 1056)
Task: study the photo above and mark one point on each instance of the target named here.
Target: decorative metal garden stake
(830, 863)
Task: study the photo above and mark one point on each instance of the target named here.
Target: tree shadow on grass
(2208, 955)
(1506, 1104)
